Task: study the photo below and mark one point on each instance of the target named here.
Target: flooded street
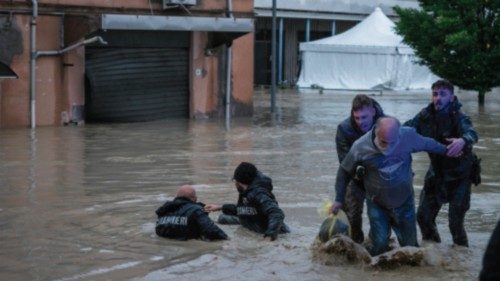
(77, 203)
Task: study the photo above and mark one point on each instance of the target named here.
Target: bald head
(187, 191)
(387, 133)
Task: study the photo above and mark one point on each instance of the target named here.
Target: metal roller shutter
(136, 84)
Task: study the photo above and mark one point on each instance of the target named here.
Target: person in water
(257, 208)
(184, 218)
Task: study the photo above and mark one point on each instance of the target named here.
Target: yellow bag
(333, 224)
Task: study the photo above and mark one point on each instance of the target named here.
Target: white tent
(368, 56)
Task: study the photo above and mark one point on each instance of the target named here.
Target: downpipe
(33, 63)
(228, 72)
(35, 54)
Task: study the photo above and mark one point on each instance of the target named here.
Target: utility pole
(273, 61)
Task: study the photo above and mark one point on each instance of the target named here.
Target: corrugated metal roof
(210, 24)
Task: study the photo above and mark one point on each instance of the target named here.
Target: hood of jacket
(262, 181)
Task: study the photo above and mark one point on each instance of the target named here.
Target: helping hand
(336, 206)
(454, 149)
(212, 208)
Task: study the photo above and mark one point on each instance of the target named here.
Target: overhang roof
(176, 23)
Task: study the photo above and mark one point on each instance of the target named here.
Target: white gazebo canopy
(368, 56)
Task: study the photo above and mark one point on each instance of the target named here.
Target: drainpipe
(35, 54)
(94, 39)
(273, 61)
(229, 55)
(33, 63)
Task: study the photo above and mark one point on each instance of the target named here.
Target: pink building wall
(60, 81)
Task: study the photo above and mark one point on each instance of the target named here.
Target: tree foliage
(457, 39)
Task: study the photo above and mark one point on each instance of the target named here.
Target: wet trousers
(353, 207)
(401, 220)
(434, 195)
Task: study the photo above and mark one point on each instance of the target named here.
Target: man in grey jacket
(385, 153)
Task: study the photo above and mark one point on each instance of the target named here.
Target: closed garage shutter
(136, 84)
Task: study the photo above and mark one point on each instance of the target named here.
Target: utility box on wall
(167, 3)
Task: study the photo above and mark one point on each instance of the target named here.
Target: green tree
(457, 39)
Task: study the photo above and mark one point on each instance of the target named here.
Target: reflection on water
(77, 203)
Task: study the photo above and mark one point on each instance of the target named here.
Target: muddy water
(77, 203)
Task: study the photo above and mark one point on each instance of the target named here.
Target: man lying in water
(185, 219)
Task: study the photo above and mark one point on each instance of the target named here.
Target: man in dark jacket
(257, 208)
(364, 113)
(184, 219)
(491, 258)
(446, 181)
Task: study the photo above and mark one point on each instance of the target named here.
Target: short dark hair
(361, 101)
(245, 173)
(442, 84)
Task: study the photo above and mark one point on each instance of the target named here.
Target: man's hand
(455, 147)
(336, 206)
(212, 208)
(270, 237)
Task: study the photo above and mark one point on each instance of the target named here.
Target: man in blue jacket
(257, 208)
(184, 218)
(385, 153)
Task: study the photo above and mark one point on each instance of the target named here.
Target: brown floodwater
(77, 203)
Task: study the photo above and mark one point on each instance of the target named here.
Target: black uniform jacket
(182, 219)
(258, 209)
(440, 126)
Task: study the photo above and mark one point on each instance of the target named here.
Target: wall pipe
(280, 52)
(229, 56)
(35, 54)
(33, 63)
(228, 88)
(273, 60)
(94, 39)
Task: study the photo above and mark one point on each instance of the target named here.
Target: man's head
(187, 191)
(442, 94)
(244, 174)
(387, 134)
(363, 112)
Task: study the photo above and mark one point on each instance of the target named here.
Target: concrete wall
(242, 75)
(204, 86)
(208, 81)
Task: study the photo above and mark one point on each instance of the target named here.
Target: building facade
(303, 21)
(124, 61)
